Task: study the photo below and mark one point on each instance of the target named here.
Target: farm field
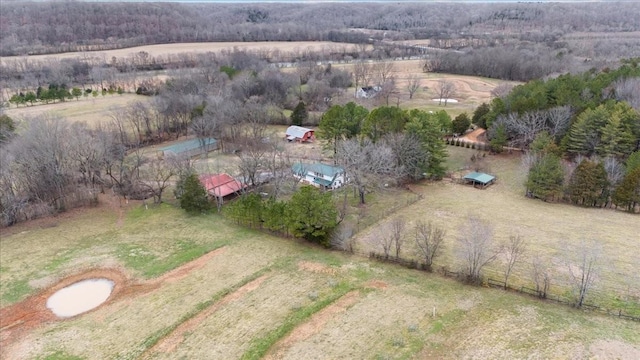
(470, 91)
(554, 231)
(194, 287)
(165, 50)
(90, 110)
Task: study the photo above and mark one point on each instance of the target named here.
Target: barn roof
(324, 169)
(188, 145)
(220, 184)
(479, 177)
(296, 132)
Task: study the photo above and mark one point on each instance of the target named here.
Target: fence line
(490, 282)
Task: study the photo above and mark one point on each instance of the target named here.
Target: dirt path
(22, 317)
(176, 337)
(477, 135)
(313, 326)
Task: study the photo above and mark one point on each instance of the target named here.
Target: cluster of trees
(580, 131)
(385, 145)
(309, 214)
(53, 166)
(594, 182)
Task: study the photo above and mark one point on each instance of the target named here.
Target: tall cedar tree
(588, 184)
(546, 178)
(627, 194)
(312, 215)
(299, 114)
(194, 196)
(479, 115)
(428, 128)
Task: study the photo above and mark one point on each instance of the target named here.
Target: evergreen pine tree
(299, 114)
(627, 194)
(546, 178)
(194, 196)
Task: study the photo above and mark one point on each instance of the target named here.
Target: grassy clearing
(393, 318)
(471, 91)
(91, 110)
(554, 231)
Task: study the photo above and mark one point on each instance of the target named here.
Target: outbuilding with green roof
(479, 179)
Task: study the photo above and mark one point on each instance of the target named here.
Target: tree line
(36, 27)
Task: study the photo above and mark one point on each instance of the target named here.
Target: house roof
(220, 184)
(296, 132)
(324, 169)
(479, 177)
(189, 145)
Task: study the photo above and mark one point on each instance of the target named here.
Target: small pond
(80, 297)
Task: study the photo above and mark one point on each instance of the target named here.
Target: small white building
(320, 175)
(368, 92)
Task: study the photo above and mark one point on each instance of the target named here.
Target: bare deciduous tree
(429, 240)
(397, 231)
(476, 248)
(361, 74)
(413, 85)
(446, 89)
(367, 164)
(514, 250)
(584, 269)
(541, 276)
(502, 90)
(155, 178)
(382, 71)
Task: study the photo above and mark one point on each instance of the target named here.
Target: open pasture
(90, 110)
(200, 287)
(166, 50)
(470, 91)
(554, 232)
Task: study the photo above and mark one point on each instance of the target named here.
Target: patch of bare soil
(376, 284)
(313, 326)
(317, 268)
(477, 135)
(176, 337)
(20, 318)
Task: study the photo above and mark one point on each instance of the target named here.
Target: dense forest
(44, 27)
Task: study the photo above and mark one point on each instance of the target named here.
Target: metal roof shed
(190, 147)
(482, 179)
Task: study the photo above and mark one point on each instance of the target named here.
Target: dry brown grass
(195, 48)
(471, 91)
(90, 110)
(553, 231)
(393, 317)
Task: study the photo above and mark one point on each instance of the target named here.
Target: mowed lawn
(260, 296)
(554, 232)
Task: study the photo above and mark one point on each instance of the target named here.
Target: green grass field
(261, 295)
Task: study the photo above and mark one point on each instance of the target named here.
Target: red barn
(299, 134)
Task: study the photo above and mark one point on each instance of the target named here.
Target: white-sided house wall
(320, 175)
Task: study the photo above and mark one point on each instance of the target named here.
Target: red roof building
(221, 185)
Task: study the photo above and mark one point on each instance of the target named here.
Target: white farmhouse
(320, 175)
